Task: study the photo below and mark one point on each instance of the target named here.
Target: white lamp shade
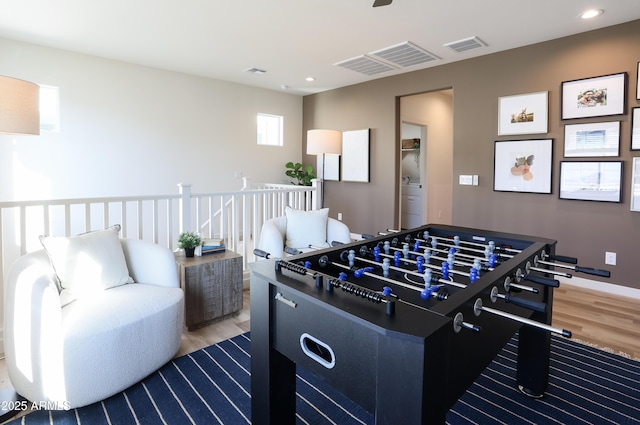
(324, 142)
(19, 106)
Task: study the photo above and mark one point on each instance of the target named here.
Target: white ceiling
(292, 39)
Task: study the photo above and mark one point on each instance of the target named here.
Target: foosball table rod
(478, 308)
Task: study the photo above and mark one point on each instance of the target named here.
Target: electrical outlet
(340, 216)
(610, 258)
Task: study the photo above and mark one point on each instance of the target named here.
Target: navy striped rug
(212, 386)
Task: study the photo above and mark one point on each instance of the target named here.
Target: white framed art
(599, 181)
(523, 166)
(635, 185)
(355, 156)
(594, 97)
(523, 114)
(635, 129)
(331, 165)
(592, 139)
(638, 82)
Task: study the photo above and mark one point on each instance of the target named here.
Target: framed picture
(638, 82)
(355, 156)
(329, 167)
(523, 114)
(635, 129)
(595, 139)
(591, 180)
(523, 166)
(594, 97)
(635, 185)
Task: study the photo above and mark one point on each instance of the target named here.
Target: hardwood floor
(607, 321)
(596, 318)
(218, 331)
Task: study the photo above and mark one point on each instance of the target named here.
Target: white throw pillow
(88, 262)
(306, 228)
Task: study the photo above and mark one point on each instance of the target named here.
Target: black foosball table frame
(404, 357)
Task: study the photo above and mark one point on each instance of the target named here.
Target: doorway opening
(425, 171)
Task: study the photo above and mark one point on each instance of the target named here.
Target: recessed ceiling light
(311, 78)
(591, 13)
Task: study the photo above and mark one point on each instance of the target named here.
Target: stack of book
(211, 246)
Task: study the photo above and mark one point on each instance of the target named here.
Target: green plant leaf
(303, 174)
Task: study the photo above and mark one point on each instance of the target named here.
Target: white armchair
(299, 229)
(98, 344)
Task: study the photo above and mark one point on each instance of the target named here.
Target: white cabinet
(411, 206)
(412, 157)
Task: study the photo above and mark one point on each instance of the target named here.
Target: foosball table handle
(261, 253)
(564, 259)
(596, 272)
(523, 302)
(543, 281)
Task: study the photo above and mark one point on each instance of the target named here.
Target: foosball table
(403, 322)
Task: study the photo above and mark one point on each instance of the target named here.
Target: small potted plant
(189, 241)
(302, 173)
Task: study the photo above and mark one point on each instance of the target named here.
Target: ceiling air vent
(365, 65)
(405, 54)
(256, 71)
(465, 45)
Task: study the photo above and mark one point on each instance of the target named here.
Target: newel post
(185, 207)
(316, 195)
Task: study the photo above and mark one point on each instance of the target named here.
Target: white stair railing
(237, 217)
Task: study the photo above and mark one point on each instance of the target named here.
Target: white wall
(133, 130)
(128, 130)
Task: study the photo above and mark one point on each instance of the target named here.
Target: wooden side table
(212, 286)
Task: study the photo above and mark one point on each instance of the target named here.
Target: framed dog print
(523, 114)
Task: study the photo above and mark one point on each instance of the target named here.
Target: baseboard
(595, 285)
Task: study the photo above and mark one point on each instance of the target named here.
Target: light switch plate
(466, 179)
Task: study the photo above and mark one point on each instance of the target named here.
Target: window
(270, 130)
(49, 109)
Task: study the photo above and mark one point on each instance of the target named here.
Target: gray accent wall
(583, 229)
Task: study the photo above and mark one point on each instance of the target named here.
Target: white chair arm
(32, 316)
(150, 263)
(272, 238)
(337, 231)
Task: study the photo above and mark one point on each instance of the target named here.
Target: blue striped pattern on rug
(212, 386)
(586, 386)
